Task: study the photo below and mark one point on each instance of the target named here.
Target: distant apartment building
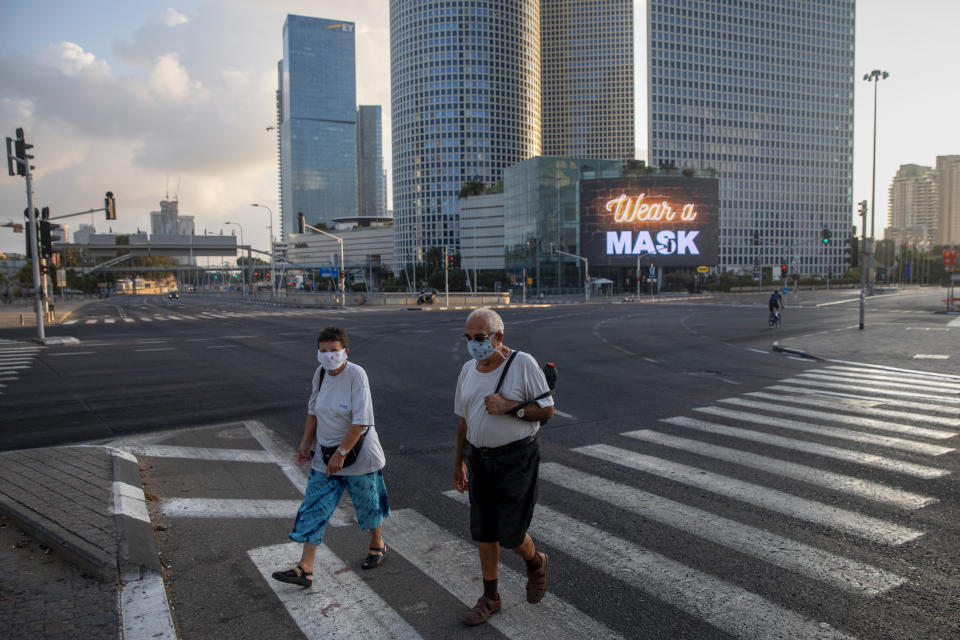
(948, 172)
(913, 206)
(587, 59)
(317, 118)
(83, 233)
(371, 179)
(762, 92)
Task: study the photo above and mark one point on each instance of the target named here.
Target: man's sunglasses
(480, 337)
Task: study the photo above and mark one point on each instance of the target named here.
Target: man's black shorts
(503, 491)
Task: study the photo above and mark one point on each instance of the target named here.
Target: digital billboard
(668, 221)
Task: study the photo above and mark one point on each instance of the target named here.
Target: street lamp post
(875, 77)
(273, 261)
(302, 226)
(243, 272)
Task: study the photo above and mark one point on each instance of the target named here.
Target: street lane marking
(223, 346)
(202, 453)
(14, 367)
(129, 320)
(873, 374)
(874, 400)
(146, 320)
(931, 356)
(891, 496)
(906, 384)
(881, 367)
(70, 353)
(563, 414)
(161, 319)
(227, 508)
(70, 322)
(830, 432)
(766, 353)
(805, 446)
(871, 389)
(158, 349)
(110, 321)
(822, 566)
(93, 321)
(818, 513)
(864, 407)
(238, 337)
(434, 551)
(178, 318)
(727, 607)
(339, 604)
(826, 416)
(199, 339)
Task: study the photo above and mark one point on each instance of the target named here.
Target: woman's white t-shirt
(344, 400)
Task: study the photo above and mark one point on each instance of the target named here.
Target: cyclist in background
(775, 304)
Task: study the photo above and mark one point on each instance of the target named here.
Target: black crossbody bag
(327, 452)
(503, 375)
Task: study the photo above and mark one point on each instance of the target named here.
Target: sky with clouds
(133, 95)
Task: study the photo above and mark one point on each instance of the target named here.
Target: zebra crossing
(772, 453)
(204, 315)
(15, 358)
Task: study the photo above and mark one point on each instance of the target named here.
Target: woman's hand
(303, 453)
(335, 464)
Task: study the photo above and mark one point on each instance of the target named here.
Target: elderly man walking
(502, 395)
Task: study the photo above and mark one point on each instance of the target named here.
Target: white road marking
(562, 414)
(818, 513)
(13, 367)
(70, 353)
(238, 337)
(874, 400)
(727, 607)
(223, 346)
(145, 612)
(805, 446)
(178, 318)
(129, 500)
(872, 374)
(930, 356)
(890, 496)
(161, 318)
(906, 384)
(864, 407)
(871, 389)
(201, 453)
(110, 321)
(766, 353)
(880, 367)
(129, 320)
(832, 416)
(434, 551)
(158, 349)
(227, 508)
(822, 566)
(830, 432)
(93, 321)
(339, 604)
(68, 322)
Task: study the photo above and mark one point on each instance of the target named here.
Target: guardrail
(356, 299)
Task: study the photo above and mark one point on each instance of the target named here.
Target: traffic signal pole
(34, 253)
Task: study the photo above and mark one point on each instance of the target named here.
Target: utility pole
(21, 158)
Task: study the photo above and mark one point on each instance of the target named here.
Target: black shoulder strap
(503, 374)
(320, 379)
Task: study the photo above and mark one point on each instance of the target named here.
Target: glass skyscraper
(318, 122)
(371, 181)
(763, 93)
(465, 83)
(587, 57)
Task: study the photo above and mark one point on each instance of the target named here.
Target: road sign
(949, 258)
(703, 269)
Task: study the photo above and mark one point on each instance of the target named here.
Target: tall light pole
(243, 272)
(875, 77)
(302, 226)
(273, 262)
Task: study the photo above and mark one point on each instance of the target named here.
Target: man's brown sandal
(374, 560)
(537, 581)
(484, 608)
(295, 576)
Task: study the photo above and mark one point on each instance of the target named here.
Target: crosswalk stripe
(823, 566)
(895, 384)
(109, 320)
(866, 527)
(830, 432)
(91, 321)
(871, 389)
(448, 560)
(886, 369)
(868, 374)
(858, 421)
(890, 496)
(161, 319)
(319, 612)
(805, 446)
(178, 318)
(13, 367)
(129, 320)
(727, 607)
(227, 508)
(146, 319)
(202, 453)
(71, 322)
(864, 407)
(874, 400)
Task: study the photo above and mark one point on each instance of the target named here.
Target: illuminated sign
(667, 221)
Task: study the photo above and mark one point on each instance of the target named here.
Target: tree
(242, 261)
(472, 187)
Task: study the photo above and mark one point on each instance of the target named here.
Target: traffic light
(852, 250)
(825, 235)
(10, 158)
(829, 273)
(20, 151)
(553, 248)
(756, 238)
(863, 207)
(46, 239)
(110, 205)
(301, 223)
(783, 271)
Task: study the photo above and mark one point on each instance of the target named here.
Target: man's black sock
(490, 589)
(533, 563)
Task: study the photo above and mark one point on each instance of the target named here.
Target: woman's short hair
(492, 319)
(333, 333)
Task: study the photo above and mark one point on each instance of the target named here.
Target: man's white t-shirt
(524, 381)
(344, 400)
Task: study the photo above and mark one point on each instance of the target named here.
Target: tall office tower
(318, 122)
(948, 170)
(587, 58)
(465, 99)
(371, 185)
(763, 93)
(913, 210)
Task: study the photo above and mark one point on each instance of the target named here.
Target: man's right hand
(460, 482)
(303, 454)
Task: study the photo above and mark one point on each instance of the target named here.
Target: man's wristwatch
(520, 413)
(342, 451)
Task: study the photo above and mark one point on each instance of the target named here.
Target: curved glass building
(465, 102)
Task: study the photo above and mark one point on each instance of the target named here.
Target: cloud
(70, 59)
(170, 81)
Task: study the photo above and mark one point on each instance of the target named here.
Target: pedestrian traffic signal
(301, 223)
(46, 239)
(110, 206)
(756, 238)
(852, 250)
(553, 248)
(825, 235)
(829, 273)
(783, 271)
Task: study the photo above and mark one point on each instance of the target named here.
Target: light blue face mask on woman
(480, 350)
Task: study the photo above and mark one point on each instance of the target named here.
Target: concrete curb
(136, 547)
(794, 352)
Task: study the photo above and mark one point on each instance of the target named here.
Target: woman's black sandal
(374, 560)
(295, 576)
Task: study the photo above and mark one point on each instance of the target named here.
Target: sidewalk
(11, 314)
(81, 541)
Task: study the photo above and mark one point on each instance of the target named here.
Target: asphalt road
(693, 534)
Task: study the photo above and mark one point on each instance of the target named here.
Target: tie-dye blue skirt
(368, 493)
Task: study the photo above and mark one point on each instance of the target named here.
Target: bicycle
(774, 319)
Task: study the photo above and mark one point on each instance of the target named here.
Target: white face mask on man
(331, 360)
